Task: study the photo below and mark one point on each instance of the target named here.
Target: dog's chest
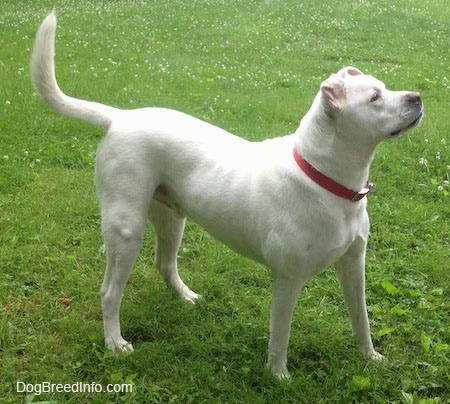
(337, 238)
(321, 240)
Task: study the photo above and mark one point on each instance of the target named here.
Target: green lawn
(252, 67)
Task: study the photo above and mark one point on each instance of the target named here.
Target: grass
(253, 68)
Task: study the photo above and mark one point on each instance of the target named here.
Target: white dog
(295, 203)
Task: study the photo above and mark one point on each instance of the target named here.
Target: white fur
(164, 165)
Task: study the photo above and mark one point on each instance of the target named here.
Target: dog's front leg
(351, 274)
(284, 297)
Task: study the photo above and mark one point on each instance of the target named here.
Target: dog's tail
(44, 79)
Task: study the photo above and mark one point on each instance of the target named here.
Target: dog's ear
(349, 71)
(333, 94)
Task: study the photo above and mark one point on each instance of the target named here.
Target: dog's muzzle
(413, 110)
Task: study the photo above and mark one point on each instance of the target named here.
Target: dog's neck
(344, 162)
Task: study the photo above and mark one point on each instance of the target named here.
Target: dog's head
(361, 104)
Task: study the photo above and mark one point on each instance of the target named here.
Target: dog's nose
(413, 98)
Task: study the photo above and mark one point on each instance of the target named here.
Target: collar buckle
(368, 189)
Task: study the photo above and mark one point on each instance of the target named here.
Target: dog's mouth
(410, 126)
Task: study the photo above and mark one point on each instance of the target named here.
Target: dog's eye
(375, 97)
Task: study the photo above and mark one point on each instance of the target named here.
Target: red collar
(329, 184)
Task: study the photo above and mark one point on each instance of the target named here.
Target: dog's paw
(127, 347)
(279, 370)
(190, 296)
(376, 356)
(373, 355)
(119, 346)
(283, 375)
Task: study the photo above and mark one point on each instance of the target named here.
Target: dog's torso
(194, 162)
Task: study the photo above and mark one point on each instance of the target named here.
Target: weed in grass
(252, 67)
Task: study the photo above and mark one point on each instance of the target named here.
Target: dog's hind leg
(169, 229)
(123, 226)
